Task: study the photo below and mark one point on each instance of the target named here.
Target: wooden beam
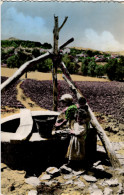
(22, 70)
(101, 133)
(66, 43)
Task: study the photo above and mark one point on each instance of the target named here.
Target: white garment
(76, 149)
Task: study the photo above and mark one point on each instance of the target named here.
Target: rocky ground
(100, 179)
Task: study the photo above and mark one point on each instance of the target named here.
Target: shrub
(91, 68)
(111, 68)
(70, 64)
(84, 66)
(16, 61)
(45, 65)
(12, 62)
(100, 70)
(46, 46)
(120, 69)
(36, 52)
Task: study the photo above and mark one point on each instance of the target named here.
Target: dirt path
(26, 101)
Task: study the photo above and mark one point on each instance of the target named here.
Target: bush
(120, 69)
(16, 61)
(47, 46)
(91, 68)
(44, 66)
(12, 62)
(84, 66)
(115, 69)
(36, 52)
(111, 68)
(70, 64)
(100, 70)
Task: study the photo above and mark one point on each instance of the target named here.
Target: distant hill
(14, 42)
(102, 52)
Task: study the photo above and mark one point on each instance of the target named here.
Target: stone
(53, 171)
(96, 163)
(112, 182)
(79, 183)
(100, 167)
(120, 190)
(68, 176)
(93, 186)
(108, 191)
(89, 178)
(32, 192)
(78, 172)
(69, 182)
(45, 177)
(120, 171)
(34, 181)
(65, 169)
(50, 183)
(96, 192)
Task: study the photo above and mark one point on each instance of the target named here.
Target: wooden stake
(56, 31)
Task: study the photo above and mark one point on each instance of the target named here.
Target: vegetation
(90, 68)
(115, 69)
(30, 44)
(71, 65)
(15, 61)
(14, 53)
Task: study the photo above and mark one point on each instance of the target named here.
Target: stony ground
(100, 179)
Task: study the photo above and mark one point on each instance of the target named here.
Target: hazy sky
(93, 25)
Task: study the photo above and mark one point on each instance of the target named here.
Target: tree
(120, 69)
(36, 52)
(84, 66)
(100, 70)
(111, 67)
(91, 68)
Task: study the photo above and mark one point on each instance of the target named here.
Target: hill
(14, 42)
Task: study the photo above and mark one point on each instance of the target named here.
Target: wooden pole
(101, 133)
(56, 31)
(54, 68)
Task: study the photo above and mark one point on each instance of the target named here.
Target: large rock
(112, 182)
(34, 181)
(89, 178)
(53, 171)
(79, 183)
(99, 167)
(77, 173)
(69, 176)
(96, 192)
(65, 169)
(69, 182)
(108, 191)
(45, 177)
(32, 192)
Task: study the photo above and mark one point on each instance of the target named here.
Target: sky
(97, 25)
